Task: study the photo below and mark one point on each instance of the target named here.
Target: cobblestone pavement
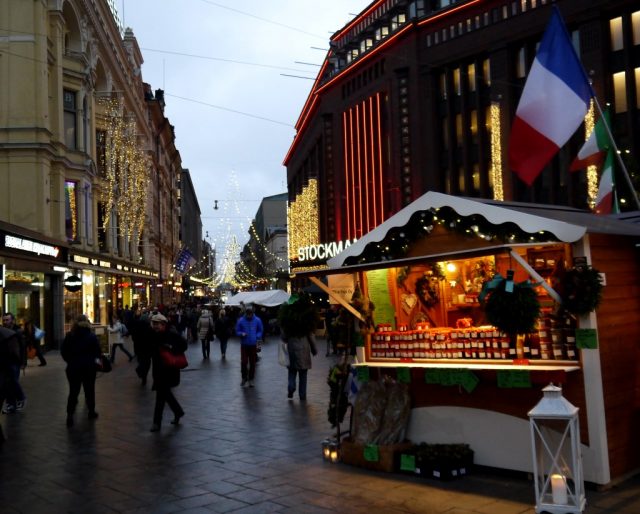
(237, 450)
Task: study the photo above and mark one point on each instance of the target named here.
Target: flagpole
(615, 149)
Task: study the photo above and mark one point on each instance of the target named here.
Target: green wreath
(512, 313)
(582, 290)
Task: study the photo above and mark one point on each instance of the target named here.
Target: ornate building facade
(88, 167)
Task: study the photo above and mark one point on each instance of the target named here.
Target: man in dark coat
(141, 335)
(164, 377)
(9, 353)
(16, 399)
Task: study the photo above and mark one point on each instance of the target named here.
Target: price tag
(407, 462)
(371, 453)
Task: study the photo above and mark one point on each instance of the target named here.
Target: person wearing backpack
(116, 332)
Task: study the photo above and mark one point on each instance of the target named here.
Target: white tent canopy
(272, 298)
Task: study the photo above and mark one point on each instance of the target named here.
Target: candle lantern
(557, 459)
(334, 451)
(326, 450)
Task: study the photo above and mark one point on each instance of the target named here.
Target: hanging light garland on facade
(126, 171)
(592, 171)
(302, 219)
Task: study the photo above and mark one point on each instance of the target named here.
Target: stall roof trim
(567, 224)
(272, 298)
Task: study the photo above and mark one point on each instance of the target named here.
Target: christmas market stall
(479, 304)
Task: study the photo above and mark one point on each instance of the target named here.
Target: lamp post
(557, 460)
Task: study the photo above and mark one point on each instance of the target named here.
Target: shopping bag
(38, 334)
(283, 354)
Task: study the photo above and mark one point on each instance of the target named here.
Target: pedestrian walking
(16, 399)
(205, 327)
(297, 322)
(141, 335)
(9, 353)
(32, 337)
(81, 351)
(223, 331)
(117, 331)
(249, 329)
(165, 377)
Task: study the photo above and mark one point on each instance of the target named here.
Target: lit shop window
(70, 211)
(637, 73)
(615, 25)
(620, 91)
(473, 126)
(635, 26)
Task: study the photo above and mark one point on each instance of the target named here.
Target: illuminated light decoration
(264, 246)
(70, 190)
(363, 171)
(421, 224)
(592, 171)
(302, 219)
(447, 13)
(127, 171)
(496, 151)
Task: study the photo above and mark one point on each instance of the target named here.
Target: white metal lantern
(326, 450)
(557, 460)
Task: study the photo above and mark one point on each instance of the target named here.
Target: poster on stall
(379, 294)
(341, 285)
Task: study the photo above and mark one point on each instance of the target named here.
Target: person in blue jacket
(249, 330)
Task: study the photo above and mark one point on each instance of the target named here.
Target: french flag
(553, 104)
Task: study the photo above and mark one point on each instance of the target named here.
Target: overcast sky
(187, 47)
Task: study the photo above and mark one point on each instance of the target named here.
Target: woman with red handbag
(167, 357)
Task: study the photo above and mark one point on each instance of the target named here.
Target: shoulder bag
(173, 360)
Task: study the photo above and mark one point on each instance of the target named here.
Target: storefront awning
(566, 224)
(272, 298)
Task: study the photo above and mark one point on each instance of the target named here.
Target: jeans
(248, 361)
(14, 392)
(85, 378)
(164, 395)
(302, 382)
(206, 348)
(223, 346)
(121, 346)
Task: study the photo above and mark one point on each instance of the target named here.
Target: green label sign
(407, 462)
(371, 453)
(363, 373)
(378, 288)
(516, 378)
(403, 375)
(587, 338)
(451, 377)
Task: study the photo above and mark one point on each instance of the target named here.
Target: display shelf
(546, 366)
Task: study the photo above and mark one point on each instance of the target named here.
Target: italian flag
(605, 202)
(595, 148)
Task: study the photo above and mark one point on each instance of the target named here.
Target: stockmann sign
(323, 251)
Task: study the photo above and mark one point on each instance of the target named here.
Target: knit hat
(159, 318)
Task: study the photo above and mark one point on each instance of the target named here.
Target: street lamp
(557, 460)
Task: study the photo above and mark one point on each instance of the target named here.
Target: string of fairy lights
(126, 170)
(302, 219)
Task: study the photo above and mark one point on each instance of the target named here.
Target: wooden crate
(388, 455)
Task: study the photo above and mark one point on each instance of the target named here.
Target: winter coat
(80, 349)
(252, 328)
(223, 328)
(116, 331)
(300, 351)
(205, 321)
(162, 375)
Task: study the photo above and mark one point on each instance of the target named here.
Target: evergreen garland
(582, 290)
